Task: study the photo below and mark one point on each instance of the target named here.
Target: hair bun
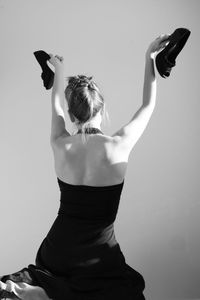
(80, 81)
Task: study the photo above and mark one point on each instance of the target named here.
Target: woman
(80, 257)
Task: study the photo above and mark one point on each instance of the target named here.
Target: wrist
(59, 68)
(150, 55)
(149, 67)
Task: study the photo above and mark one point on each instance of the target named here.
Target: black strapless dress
(80, 258)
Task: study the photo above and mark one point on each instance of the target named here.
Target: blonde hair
(84, 101)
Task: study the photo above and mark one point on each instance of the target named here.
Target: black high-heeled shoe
(47, 74)
(166, 59)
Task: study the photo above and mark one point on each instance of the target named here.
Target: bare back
(98, 162)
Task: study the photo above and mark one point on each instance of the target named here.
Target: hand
(157, 45)
(56, 60)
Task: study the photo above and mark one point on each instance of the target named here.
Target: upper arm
(130, 133)
(58, 128)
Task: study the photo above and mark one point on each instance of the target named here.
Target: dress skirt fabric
(80, 258)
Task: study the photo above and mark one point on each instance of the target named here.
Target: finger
(165, 37)
(166, 43)
(163, 45)
(59, 58)
(164, 34)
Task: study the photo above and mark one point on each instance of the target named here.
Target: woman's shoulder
(101, 144)
(95, 139)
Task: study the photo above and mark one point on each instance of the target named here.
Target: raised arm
(150, 85)
(57, 100)
(129, 134)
